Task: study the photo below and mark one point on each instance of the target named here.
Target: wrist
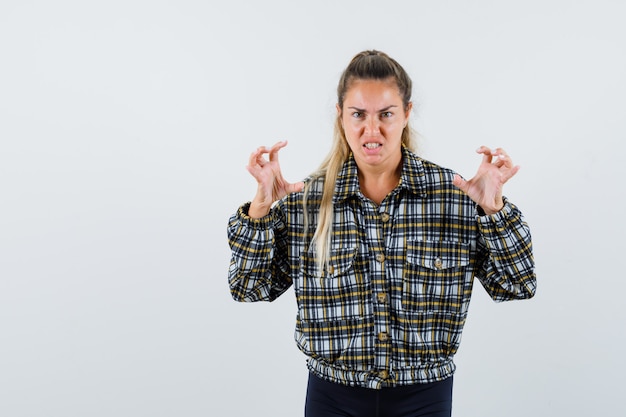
(490, 210)
(258, 210)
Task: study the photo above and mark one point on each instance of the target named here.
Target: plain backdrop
(125, 128)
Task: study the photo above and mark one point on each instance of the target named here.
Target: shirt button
(380, 257)
(383, 336)
(381, 297)
(438, 263)
(385, 217)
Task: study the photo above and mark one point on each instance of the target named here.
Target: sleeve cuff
(496, 218)
(260, 223)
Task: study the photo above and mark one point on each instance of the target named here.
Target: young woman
(382, 248)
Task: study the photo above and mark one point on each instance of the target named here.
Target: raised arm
(485, 188)
(507, 268)
(257, 233)
(271, 184)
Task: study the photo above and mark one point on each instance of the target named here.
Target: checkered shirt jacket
(390, 307)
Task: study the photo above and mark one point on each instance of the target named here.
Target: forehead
(372, 93)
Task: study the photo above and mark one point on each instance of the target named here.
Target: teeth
(372, 145)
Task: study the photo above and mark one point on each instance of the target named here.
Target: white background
(125, 127)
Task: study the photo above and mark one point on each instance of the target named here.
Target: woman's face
(373, 119)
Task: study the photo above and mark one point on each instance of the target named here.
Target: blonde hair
(367, 65)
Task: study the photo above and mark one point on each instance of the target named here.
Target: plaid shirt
(390, 308)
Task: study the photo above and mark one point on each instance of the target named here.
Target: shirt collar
(412, 178)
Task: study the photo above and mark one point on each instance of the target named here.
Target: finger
(254, 166)
(274, 149)
(259, 151)
(256, 157)
(253, 158)
(258, 160)
(460, 182)
(510, 173)
(507, 162)
(295, 187)
(501, 158)
(278, 145)
(499, 151)
(486, 152)
(502, 161)
(505, 159)
(254, 171)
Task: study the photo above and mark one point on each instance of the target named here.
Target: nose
(372, 126)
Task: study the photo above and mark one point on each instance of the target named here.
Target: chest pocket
(434, 276)
(337, 293)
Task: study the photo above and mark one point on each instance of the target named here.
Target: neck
(376, 185)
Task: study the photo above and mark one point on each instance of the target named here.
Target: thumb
(295, 187)
(460, 183)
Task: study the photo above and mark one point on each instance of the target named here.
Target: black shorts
(327, 399)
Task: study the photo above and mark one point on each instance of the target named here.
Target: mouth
(372, 145)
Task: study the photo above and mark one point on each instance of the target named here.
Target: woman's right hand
(271, 184)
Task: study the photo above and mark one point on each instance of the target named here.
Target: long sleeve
(508, 267)
(390, 308)
(259, 268)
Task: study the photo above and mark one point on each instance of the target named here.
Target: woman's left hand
(485, 189)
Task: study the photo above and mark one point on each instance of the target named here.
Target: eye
(357, 114)
(386, 114)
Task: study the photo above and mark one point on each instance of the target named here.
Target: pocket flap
(340, 262)
(438, 255)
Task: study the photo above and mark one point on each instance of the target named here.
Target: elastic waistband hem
(376, 379)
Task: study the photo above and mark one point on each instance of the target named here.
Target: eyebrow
(381, 110)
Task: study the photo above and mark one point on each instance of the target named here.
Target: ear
(339, 114)
(409, 108)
